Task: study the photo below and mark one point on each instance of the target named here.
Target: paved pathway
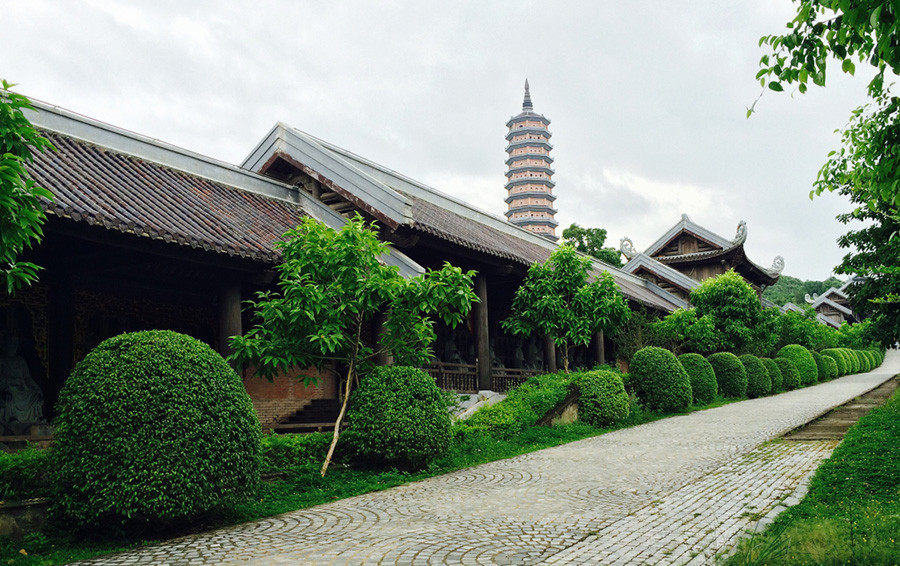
(675, 491)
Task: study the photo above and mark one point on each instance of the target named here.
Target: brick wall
(286, 394)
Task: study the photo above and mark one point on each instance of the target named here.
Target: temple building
(833, 306)
(689, 253)
(530, 187)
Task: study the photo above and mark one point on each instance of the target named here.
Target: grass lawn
(302, 487)
(851, 514)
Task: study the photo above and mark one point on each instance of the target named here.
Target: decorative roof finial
(526, 105)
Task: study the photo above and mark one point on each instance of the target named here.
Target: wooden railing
(464, 377)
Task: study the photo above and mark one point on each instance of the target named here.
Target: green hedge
(840, 359)
(602, 400)
(790, 377)
(24, 474)
(284, 451)
(759, 384)
(703, 379)
(831, 366)
(659, 381)
(853, 365)
(730, 374)
(803, 361)
(774, 374)
(152, 428)
(398, 417)
(523, 407)
(821, 367)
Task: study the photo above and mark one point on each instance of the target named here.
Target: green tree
(331, 286)
(683, 331)
(732, 306)
(21, 215)
(558, 300)
(590, 241)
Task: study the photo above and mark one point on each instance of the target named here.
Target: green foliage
(759, 384)
(826, 366)
(21, 214)
(634, 333)
(602, 401)
(704, 387)
(732, 305)
(863, 361)
(659, 381)
(853, 364)
(792, 290)
(398, 417)
(556, 299)
(24, 474)
(524, 406)
(803, 329)
(774, 373)
(285, 451)
(839, 358)
(683, 331)
(730, 374)
(803, 361)
(590, 241)
(152, 427)
(333, 285)
(790, 375)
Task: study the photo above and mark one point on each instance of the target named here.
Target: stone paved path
(675, 491)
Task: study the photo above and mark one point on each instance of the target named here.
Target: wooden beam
(229, 316)
(482, 336)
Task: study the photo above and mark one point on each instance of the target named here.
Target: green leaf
(776, 86)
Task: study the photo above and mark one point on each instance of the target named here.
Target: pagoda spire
(526, 104)
(530, 186)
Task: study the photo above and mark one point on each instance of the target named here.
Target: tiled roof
(121, 192)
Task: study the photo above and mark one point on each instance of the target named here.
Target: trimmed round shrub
(774, 373)
(730, 374)
(803, 361)
(864, 360)
(152, 428)
(790, 377)
(603, 400)
(659, 381)
(398, 417)
(831, 369)
(853, 361)
(759, 384)
(821, 367)
(839, 359)
(703, 379)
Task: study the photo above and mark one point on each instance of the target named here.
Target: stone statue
(21, 398)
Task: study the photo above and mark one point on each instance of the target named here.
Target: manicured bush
(830, 367)
(774, 373)
(821, 368)
(803, 361)
(285, 451)
(730, 374)
(398, 417)
(24, 474)
(840, 359)
(853, 365)
(759, 384)
(790, 377)
(602, 401)
(523, 407)
(659, 381)
(152, 428)
(864, 360)
(703, 379)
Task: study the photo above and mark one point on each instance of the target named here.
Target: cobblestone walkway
(675, 491)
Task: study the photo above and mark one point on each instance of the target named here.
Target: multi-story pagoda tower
(530, 188)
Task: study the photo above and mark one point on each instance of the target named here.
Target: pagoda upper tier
(530, 185)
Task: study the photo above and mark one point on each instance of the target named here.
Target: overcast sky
(647, 100)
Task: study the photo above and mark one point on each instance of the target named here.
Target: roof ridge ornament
(626, 246)
(777, 265)
(526, 104)
(685, 217)
(812, 299)
(741, 236)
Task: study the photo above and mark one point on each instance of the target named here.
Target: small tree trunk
(337, 424)
(566, 357)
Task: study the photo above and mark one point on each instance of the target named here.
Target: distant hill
(792, 290)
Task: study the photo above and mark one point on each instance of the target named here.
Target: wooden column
(600, 347)
(229, 316)
(550, 353)
(482, 336)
